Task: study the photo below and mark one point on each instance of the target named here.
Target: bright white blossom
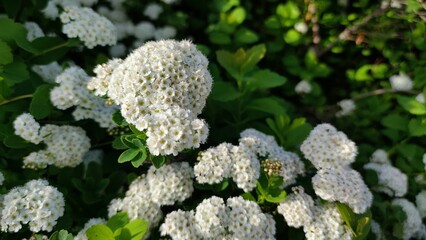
(421, 203)
(36, 204)
(401, 82)
(27, 128)
(347, 106)
(88, 26)
(161, 87)
(301, 27)
(413, 222)
(170, 183)
(34, 30)
(153, 10)
(297, 208)
(48, 72)
(72, 91)
(420, 98)
(303, 87)
(239, 219)
(326, 147)
(343, 185)
(93, 221)
(392, 181)
(242, 162)
(380, 156)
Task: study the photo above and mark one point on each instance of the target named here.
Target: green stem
(65, 44)
(4, 102)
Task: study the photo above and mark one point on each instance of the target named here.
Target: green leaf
(119, 220)
(128, 155)
(15, 72)
(296, 135)
(288, 11)
(237, 16)
(158, 161)
(395, 121)
(227, 61)
(127, 140)
(118, 144)
(118, 119)
(50, 49)
(218, 37)
(41, 106)
(99, 232)
(137, 228)
(276, 196)
(264, 79)
(6, 55)
(140, 158)
(412, 105)
(12, 32)
(224, 92)
(12, 7)
(268, 105)
(417, 127)
(252, 57)
(292, 36)
(13, 141)
(247, 36)
(398, 230)
(64, 235)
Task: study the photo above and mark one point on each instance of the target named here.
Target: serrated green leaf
(99, 232)
(224, 92)
(412, 105)
(128, 155)
(119, 220)
(263, 79)
(41, 106)
(6, 55)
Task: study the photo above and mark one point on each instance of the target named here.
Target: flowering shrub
(173, 119)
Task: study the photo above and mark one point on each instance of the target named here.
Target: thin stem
(101, 144)
(4, 102)
(381, 92)
(65, 44)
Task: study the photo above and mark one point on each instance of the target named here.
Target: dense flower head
(170, 183)
(238, 219)
(392, 181)
(36, 204)
(93, 221)
(347, 106)
(343, 185)
(137, 203)
(401, 82)
(88, 26)
(328, 224)
(421, 203)
(72, 91)
(161, 87)
(27, 128)
(326, 147)
(297, 208)
(48, 72)
(242, 162)
(413, 221)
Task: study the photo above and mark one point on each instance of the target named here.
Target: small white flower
(401, 82)
(303, 87)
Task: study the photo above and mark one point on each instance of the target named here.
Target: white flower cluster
(48, 72)
(380, 156)
(93, 221)
(392, 181)
(420, 98)
(242, 164)
(36, 204)
(421, 203)
(212, 219)
(52, 8)
(153, 10)
(413, 222)
(331, 152)
(72, 91)
(27, 128)
(34, 31)
(319, 221)
(401, 82)
(1, 178)
(66, 145)
(161, 88)
(303, 87)
(343, 185)
(347, 106)
(88, 26)
(163, 186)
(326, 147)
